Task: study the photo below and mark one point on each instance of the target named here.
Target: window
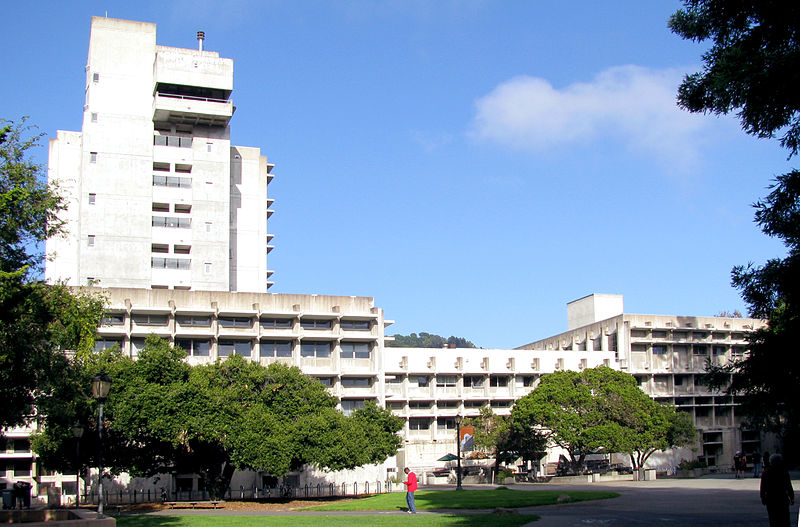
(90, 281)
(355, 350)
(22, 467)
(276, 323)
(195, 321)
(172, 181)
(420, 405)
(194, 347)
(473, 381)
(137, 345)
(737, 336)
(501, 404)
(359, 325)
(320, 350)
(659, 350)
(699, 349)
(443, 405)
(276, 348)
(526, 381)
(183, 169)
(172, 140)
(230, 347)
(208, 226)
(719, 350)
(170, 263)
(356, 382)
(161, 167)
(419, 424)
(235, 322)
(208, 147)
(474, 404)
(160, 207)
(90, 240)
(737, 351)
(699, 335)
(421, 381)
(446, 423)
(207, 268)
(446, 381)
(145, 319)
(182, 208)
(311, 323)
(351, 405)
(95, 77)
(498, 381)
(22, 445)
(325, 381)
(659, 334)
(92, 157)
(106, 343)
(638, 333)
(182, 249)
(680, 335)
(92, 198)
(112, 319)
(159, 248)
(174, 223)
(94, 117)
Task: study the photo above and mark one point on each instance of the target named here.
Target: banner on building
(466, 435)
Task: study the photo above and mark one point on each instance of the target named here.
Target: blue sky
(472, 165)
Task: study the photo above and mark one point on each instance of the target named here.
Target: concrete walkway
(704, 502)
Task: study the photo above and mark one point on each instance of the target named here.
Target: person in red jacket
(411, 487)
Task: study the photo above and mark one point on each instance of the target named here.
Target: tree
(37, 321)
(428, 340)
(505, 439)
(600, 409)
(165, 415)
(753, 69)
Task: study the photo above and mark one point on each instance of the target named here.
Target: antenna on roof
(201, 36)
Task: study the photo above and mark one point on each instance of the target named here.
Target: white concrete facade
(157, 197)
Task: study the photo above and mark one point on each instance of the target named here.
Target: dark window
(112, 319)
(319, 350)
(356, 382)
(355, 350)
(276, 348)
(311, 323)
(197, 321)
(473, 381)
(498, 382)
(361, 325)
(419, 424)
(194, 347)
(150, 320)
(235, 322)
(277, 323)
(231, 347)
(106, 343)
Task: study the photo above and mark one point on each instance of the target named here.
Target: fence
(283, 492)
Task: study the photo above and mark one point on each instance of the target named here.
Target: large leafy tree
(753, 69)
(600, 409)
(164, 414)
(37, 321)
(505, 439)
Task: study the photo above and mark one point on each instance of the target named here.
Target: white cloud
(628, 104)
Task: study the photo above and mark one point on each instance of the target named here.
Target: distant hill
(427, 340)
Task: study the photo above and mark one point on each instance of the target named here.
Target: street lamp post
(458, 451)
(77, 433)
(101, 384)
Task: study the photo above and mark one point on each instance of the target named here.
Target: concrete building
(668, 355)
(170, 221)
(157, 197)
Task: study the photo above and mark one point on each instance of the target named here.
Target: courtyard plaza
(714, 500)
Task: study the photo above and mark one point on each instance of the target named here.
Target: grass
(437, 520)
(464, 499)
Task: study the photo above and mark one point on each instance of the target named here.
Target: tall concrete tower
(157, 197)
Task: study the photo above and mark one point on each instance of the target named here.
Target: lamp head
(101, 385)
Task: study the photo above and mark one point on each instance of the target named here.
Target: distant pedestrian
(756, 465)
(739, 464)
(411, 488)
(777, 492)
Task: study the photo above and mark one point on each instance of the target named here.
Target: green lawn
(435, 520)
(464, 499)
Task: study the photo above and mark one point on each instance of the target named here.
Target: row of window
(267, 348)
(697, 349)
(172, 222)
(172, 181)
(172, 140)
(684, 335)
(170, 263)
(470, 381)
(165, 167)
(180, 208)
(116, 319)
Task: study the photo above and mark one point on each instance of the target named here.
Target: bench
(193, 504)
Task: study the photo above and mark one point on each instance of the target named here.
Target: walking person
(756, 465)
(777, 492)
(411, 488)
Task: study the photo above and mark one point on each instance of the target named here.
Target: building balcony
(188, 109)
